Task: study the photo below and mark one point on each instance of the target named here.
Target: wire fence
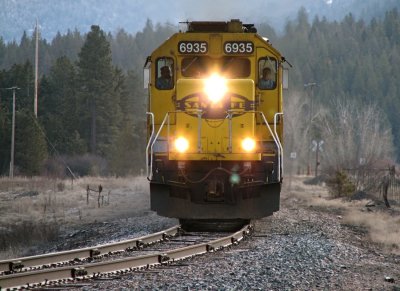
(377, 182)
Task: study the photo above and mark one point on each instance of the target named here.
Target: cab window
(267, 69)
(203, 66)
(164, 73)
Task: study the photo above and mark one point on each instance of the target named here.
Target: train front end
(214, 150)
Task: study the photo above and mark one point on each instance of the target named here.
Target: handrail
(150, 174)
(277, 142)
(276, 134)
(230, 131)
(199, 114)
(153, 138)
(148, 144)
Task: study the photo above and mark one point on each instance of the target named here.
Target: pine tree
(5, 139)
(126, 151)
(127, 155)
(2, 50)
(59, 107)
(30, 144)
(101, 115)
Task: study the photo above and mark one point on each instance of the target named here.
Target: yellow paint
(214, 133)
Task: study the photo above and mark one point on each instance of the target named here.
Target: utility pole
(35, 102)
(12, 133)
(317, 147)
(311, 86)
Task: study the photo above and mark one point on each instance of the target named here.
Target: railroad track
(85, 254)
(73, 266)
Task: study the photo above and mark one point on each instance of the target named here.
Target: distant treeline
(128, 51)
(91, 113)
(347, 60)
(92, 103)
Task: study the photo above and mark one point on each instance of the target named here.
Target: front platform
(246, 203)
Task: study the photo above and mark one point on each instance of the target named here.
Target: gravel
(299, 248)
(98, 233)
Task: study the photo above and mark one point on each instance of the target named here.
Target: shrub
(340, 185)
(88, 165)
(60, 186)
(85, 165)
(54, 167)
(27, 232)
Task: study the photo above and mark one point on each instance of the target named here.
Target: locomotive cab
(215, 124)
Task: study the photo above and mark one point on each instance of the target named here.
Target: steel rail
(46, 259)
(42, 278)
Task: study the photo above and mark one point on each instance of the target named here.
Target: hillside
(61, 15)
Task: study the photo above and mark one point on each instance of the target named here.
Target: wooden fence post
(87, 194)
(385, 185)
(98, 199)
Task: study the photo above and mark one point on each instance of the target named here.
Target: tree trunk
(386, 182)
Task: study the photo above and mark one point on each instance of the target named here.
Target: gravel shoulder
(301, 247)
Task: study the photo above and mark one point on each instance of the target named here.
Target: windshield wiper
(191, 63)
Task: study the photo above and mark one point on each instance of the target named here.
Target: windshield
(204, 66)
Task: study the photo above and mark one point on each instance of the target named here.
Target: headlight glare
(248, 144)
(215, 88)
(181, 144)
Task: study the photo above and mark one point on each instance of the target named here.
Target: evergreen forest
(91, 110)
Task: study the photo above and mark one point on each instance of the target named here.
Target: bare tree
(354, 135)
(298, 131)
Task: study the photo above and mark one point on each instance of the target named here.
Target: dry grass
(36, 209)
(383, 225)
(58, 203)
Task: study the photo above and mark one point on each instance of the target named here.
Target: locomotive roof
(210, 27)
(234, 25)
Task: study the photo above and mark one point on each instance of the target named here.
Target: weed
(340, 185)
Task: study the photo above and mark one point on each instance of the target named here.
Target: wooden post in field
(87, 194)
(385, 186)
(385, 192)
(98, 199)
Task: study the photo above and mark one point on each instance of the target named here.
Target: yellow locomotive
(215, 124)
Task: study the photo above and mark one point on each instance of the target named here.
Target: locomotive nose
(215, 88)
(216, 117)
(215, 92)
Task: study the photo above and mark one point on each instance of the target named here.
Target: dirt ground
(368, 214)
(41, 215)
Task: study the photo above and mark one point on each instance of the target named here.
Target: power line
(54, 148)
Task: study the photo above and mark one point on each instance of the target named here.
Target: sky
(17, 16)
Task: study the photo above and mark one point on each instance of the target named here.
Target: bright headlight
(215, 88)
(181, 144)
(248, 144)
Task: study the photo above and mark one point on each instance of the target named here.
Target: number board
(192, 47)
(238, 47)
